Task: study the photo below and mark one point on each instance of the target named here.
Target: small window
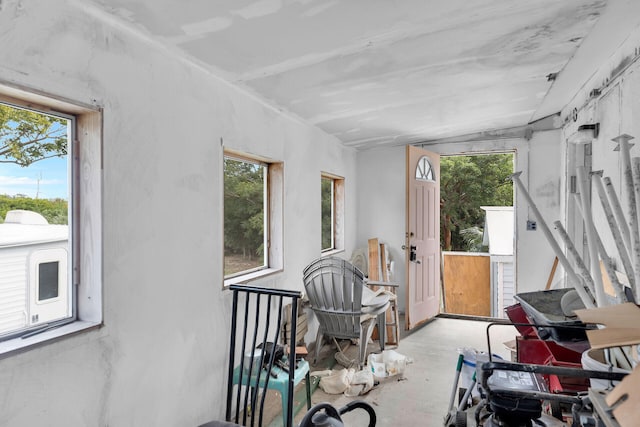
(252, 216)
(332, 212)
(48, 283)
(424, 170)
(327, 213)
(245, 215)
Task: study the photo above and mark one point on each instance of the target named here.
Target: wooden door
(422, 236)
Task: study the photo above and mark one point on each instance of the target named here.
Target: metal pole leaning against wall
(597, 180)
(592, 245)
(575, 280)
(617, 211)
(571, 249)
(625, 157)
(607, 264)
(635, 239)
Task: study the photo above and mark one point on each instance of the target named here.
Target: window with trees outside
(332, 212)
(252, 216)
(41, 296)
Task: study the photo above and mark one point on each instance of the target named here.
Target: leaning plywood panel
(467, 279)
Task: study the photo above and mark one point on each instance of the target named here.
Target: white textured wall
(382, 206)
(616, 109)
(160, 358)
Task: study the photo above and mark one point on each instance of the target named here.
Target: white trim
(10, 347)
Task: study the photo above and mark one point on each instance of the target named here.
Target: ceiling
(383, 72)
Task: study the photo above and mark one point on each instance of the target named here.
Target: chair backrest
(257, 317)
(334, 288)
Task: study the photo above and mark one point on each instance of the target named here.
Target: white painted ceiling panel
(378, 72)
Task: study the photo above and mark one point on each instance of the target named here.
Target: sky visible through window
(44, 179)
(51, 174)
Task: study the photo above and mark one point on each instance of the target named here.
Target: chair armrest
(380, 283)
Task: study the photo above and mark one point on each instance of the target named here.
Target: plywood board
(627, 396)
(622, 325)
(374, 259)
(467, 284)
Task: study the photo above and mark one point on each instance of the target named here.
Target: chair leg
(366, 329)
(307, 381)
(382, 329)
(396, 322)
(319, 338)
(285, 411)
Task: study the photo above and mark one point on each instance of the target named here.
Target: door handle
(412, 253)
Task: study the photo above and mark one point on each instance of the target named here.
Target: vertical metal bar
(592, 245)
(269, 366)
(244, 342)
(273, 353)
(250, 390)
(232, 348)
(635, 238)
(576, 282)
(617, 211)
(292, 359)
(613, 226)
(625, 154)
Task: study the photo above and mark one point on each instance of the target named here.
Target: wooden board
(622, 323)
(383, 263)
(627, 412)
(374, 259)
(467, 284)
(393, 331)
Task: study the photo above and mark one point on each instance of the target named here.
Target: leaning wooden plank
(392, 337)
(625, 399)
(374, 259)
(621, 321)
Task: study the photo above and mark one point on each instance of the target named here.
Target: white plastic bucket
(595, 360)
(471, 359)
(253, 361)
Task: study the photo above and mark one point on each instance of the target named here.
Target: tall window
(245, 216)
(35, 234)
(50, 218)
(332, 212)
(327, 191)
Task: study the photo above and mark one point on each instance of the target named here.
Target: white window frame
(337, 214)
(85, 213)
(274, 236)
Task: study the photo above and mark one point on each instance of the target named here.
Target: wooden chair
(256, 324)
(343, 304)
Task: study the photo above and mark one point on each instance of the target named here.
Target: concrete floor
(422, 396)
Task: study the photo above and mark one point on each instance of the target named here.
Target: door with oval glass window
(422, 236)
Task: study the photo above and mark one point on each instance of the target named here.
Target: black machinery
(513, 394)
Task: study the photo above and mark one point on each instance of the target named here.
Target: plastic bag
(387, 364)
(348, 381)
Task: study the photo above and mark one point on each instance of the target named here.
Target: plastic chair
(344, 306)
(254, 328)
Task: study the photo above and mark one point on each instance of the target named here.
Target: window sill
(18, 345)
(249, 277)
(331, 252)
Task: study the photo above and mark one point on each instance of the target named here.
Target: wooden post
(551, 274)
